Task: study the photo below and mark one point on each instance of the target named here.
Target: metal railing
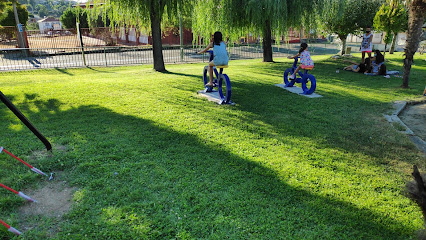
(36, 58)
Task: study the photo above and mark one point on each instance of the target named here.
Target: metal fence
(36, 58)
(101, 47)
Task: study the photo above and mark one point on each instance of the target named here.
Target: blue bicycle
(223, 89)
(308, 81)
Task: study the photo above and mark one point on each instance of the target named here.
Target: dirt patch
(56, 149)
(53, 201)
(414, 116)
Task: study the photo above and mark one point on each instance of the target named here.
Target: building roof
(48, 19)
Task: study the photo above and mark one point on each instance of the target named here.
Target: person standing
(366, 44)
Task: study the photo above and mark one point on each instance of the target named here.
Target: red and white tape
(22, 161)
(9, 228)
(21, 194)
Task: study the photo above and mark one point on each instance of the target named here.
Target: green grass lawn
(152, 160)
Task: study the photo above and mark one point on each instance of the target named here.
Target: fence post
(181, 37)
(81, 43)
(106, 62)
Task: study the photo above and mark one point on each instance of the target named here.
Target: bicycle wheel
(206, 76)
(287, 73)
(224, 88)
(309, 84)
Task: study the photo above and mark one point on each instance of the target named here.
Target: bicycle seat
(222, 66)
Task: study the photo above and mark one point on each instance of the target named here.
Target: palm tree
(416, 19)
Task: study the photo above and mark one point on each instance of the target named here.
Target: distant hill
(47, 8)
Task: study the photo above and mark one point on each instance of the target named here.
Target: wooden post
(81, 43)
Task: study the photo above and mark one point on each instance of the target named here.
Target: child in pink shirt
(305, 60)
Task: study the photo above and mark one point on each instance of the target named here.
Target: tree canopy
(7, 17)
(392, 19)
(46, 8)
(235, 18)
(69, 18)
(144, 15)
(344, 17)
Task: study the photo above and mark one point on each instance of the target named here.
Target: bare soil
(54, 200)
(55, 42)
(414, 116)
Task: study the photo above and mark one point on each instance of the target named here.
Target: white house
(49, 23)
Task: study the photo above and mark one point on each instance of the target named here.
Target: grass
(151, 160)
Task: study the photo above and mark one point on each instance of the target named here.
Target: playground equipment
(27, 123)
(305, 78)
(9, 228)
(22, 161)
(218, 81)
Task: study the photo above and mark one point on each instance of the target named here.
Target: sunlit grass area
(151, 159)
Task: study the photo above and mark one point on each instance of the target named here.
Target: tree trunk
(392, 49)
(267, 42)
(416, 17)
(384, 51)
(138, 34)
(157, 46)
(343, 39)
(126, 32)
(420, 196)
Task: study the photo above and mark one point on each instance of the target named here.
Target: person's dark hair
(303, 46)
(361, 67)
(217, 38)
(379, 57)
(368, 66)
(382, 70)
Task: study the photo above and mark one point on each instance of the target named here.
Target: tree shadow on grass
(139, 179)
(336, 121)
(340, 120)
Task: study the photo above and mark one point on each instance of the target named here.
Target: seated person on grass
(355, 67)
(377, 61)
(378, 66)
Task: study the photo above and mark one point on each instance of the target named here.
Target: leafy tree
(32, 26)
(267, 18)
(344, 17)
(42, 10)
(30, 7)
(69, 18)
(391, 19)
(2, 5)
(140, 14)
(416, 19)
(7, 17)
